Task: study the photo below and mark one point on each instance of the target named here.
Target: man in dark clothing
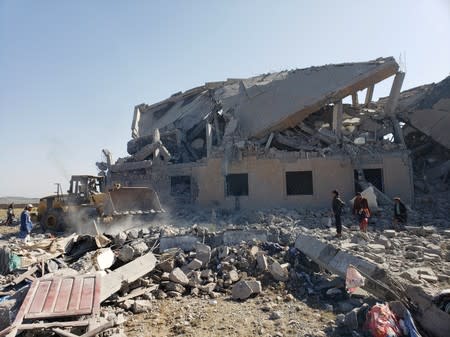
(336, 206)
(400, 212)
(10, 215)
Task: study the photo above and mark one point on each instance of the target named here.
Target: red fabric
(382, 322)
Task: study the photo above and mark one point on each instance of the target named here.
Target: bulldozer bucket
(131, 200)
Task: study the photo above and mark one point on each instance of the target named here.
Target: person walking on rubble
(400, 213)
(10, 215)
(364, 215)
(357, 205)
(25, 223)
(336, 205)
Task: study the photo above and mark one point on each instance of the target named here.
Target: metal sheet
(62, 297)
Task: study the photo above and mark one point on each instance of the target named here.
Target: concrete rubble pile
(135, 272)
(140, 267)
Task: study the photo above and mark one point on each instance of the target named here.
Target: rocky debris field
(202, 273)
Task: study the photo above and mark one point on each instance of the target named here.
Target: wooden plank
(27, 275)
(52, 295)
(74, 299)
(49, 325)
(103, 327)
(62, 302)
(64, 333)
(87, 294)
(39, 298)
(26, 304)
(128, 273)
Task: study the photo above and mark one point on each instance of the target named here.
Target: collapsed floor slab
(432, 319)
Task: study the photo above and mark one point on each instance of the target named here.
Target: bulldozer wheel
(52, 221)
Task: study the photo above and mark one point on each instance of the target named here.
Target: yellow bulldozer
(87, 199)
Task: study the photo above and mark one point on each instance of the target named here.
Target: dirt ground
(6, 231)
(269, 314)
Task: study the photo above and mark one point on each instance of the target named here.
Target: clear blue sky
(72, 71)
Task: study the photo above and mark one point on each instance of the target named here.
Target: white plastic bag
(353, 279)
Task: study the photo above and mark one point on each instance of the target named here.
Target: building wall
(267, 180)
(397, 177)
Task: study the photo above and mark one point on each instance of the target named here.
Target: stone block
(178, 276)
(126, 253)
(194, 264)
(203, 253)
(140, 306)
(244, 289)
(278, 272)
(261, 261)
(185, 242)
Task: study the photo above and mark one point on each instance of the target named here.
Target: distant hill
(18, 200)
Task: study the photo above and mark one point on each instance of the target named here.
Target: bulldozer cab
(84, 187)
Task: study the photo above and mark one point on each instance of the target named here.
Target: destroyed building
(279, 139)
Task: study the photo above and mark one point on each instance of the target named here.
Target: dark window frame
(239, 190)
(180, 181)
(369, 173)
(294, 187)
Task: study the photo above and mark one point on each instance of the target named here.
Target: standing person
(336, 206)
(10, 215)
(357, 205)
(25, 223)
(364, 215)
(400, 212)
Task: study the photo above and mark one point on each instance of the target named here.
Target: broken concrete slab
(203, 253)
(130, 272)
(185, 242)
(232, 237)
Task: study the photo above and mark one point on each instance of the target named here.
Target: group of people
(362, 213)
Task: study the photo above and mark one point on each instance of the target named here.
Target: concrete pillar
(156, 136)
(216, 126)
(269, 141)
(394, 95)
(135, 123)
(391, 105)
(208, 139)
(355, 102)
(369, 95)
(337, 119)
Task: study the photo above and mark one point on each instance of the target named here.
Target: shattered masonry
(286, 135)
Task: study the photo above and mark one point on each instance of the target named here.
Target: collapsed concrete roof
(264, 103)
(427, 108)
